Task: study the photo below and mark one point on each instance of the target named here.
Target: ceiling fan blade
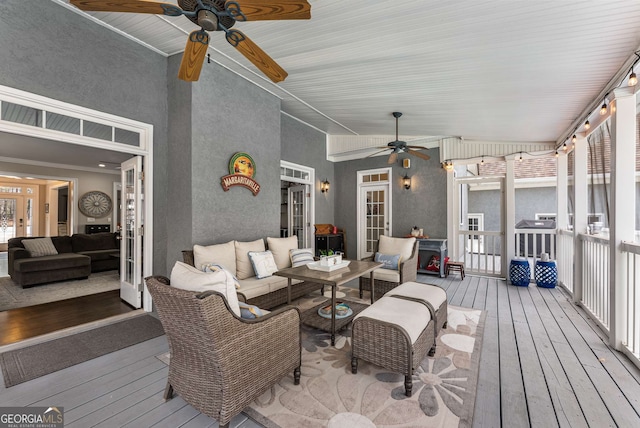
(392, 158)
(376, 153)
(259, 10)
(135, 6)
(193, 56)
(419, 154)
(417, 147)
(257, 56)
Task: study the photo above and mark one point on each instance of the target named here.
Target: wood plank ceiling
(492, 70)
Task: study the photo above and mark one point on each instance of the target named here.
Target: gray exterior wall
(424, 205)
(307, 146)
(56, 53)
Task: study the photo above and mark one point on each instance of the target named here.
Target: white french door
(374, 209)
(298, 197)
(12, 223)
(131, 265)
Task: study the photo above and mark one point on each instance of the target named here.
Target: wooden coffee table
(333, 279)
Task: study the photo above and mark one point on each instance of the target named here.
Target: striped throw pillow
(301, 256)
(39, 247)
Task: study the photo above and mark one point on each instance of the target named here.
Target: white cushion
(301, 257)
(39, 247)
(263, 263)
(402, 246)
(254, 287)
(280, 248)
(244, 269)
(411, 316)
(222, 254)
(428, 292)
(189, 278)
(390, 275)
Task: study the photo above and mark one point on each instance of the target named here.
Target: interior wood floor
(24, 323)
(543, 364)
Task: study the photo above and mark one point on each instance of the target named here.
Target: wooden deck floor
(544, 364)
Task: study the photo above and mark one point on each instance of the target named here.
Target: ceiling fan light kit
(213, 15)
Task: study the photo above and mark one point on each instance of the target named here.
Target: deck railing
(481, 252)
(595, 277)
(632, 292)
(565, 259)
(530, 243)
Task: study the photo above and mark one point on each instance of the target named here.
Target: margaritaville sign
(242, 169)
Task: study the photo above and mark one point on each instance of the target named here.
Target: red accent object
(335, 230)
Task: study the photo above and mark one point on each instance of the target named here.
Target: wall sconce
(324, 186)
(406, 182)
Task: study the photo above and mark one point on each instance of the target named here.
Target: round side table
(519, 273)
(546, 273)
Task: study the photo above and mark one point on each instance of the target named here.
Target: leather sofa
(78, 256)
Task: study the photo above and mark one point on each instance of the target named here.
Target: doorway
(374, 209)
(296, 203)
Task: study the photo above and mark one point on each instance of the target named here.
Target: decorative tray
(317, 266)
(342, 311)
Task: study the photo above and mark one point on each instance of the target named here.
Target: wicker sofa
(266, 293)
(78, 256)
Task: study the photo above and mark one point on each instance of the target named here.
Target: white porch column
(580, 210)
(509, 215)
(562, 191)
(452, 216)
(622, 208)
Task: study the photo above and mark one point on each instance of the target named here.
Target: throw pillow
(280, 248)
(248, 311)
(389, 261)
(434, 264)
(39, 247)
(189, 278)
(221, 254)
(301, 257)
(213, 267)
(244, 269)
(263, 263)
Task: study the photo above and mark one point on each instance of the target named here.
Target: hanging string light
(574, 138)
(587, 125)
(565, 147)
(603, 109)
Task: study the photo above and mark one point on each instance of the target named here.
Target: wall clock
(95, 204)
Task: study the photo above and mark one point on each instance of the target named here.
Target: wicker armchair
(385, 280)
(220, 362)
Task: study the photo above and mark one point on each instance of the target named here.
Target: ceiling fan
(398, 146)
(213, 15)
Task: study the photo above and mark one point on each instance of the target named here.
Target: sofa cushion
(95, 241)
(280, 248)
(221, 254)
(254, 287)
(402, 246)
(40, 247)
(100, 254)
(58, 261)
(244, 269)
(189, 278)
(263, 263)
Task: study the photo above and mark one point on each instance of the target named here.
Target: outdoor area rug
(31, 362)
(329, 395)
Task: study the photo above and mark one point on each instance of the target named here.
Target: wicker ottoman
(398, 330)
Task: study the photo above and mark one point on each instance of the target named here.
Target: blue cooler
(546, 274)
(519, 273)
